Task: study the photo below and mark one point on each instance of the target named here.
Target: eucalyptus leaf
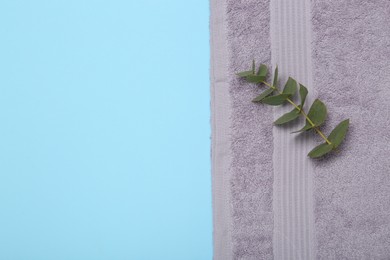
(317, 112)
(255, 78)
(302, 93)
(305, 128)
(291, 87)
(320, 150)
(263, 95)
(262, 70)
(317, 115)
(338, 134)
(288, 117)
(275, 100)
(244, 73)
(275, 83)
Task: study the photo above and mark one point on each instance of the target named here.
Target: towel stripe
(293, 170)
(220, 124)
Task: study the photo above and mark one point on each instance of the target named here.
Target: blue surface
(104, 130)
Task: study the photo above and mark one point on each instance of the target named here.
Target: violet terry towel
(270, 201)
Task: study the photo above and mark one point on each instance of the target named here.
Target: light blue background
(104, 130)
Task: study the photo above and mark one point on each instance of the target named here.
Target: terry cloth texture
(265, 208)
(248, 37)
(351, 69)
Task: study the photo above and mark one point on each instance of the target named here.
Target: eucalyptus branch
(301, 111)
(314, 118)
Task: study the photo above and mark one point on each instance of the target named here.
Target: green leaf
(262, 70)
(263, 95)
(320, 150)
(275, 83)
(305, 128)
(244, 73)
(291, 87)
(338, 133)
(317, 114)
(255, 78)
(288, 117)
(302, 93)
(275, 100)
(253, 66)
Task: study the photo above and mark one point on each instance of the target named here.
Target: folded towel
(270, 201)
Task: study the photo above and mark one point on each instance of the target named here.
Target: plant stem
(300, 109)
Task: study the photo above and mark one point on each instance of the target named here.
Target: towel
(270, 201)
(351, 72)
(249, 174)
